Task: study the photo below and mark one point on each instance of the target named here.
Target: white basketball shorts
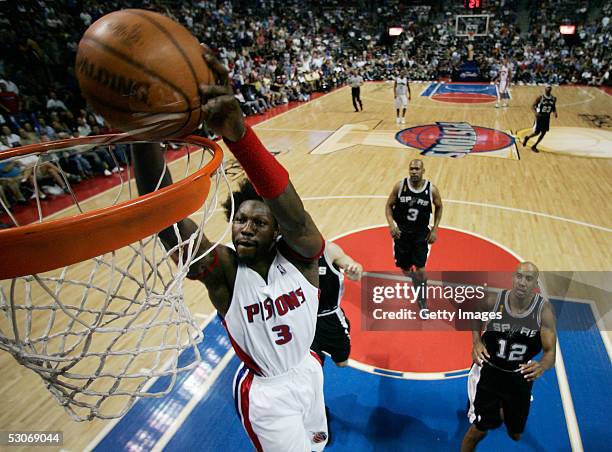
(285, 413)
(401, 101)
(503, 86)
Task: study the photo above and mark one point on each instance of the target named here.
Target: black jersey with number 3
(412, 209)
(515, 338)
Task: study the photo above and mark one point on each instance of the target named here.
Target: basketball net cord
(123, 331)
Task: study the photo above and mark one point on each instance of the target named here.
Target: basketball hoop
(470, 35)
(93, 302)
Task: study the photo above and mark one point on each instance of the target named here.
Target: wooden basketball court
(551, 208)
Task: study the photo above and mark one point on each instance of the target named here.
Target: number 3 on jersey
(412, 214)
(284, 334)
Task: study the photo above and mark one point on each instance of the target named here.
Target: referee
(356, 81)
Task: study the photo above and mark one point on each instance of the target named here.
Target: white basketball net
(100, 341)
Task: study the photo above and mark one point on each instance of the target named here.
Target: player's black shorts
(542, 123)
(490, 389)
(411, 249)
(332, 336)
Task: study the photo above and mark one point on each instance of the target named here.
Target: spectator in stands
(83, 128)
(45, 129)
(10, 179)
(54, 104)
(9, 100)
(9, 138)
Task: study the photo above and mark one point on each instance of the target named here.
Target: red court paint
(416, 351)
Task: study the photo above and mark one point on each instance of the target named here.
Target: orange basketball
(140, 70)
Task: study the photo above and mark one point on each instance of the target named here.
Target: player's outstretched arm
(212, 270)
(395, 232)
(340, 259)
(223, 116)
(548, 335)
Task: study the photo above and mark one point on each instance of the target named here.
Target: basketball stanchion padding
(93, 302)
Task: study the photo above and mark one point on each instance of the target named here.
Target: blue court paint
(467, 88)
(370, 413)
(389, 373)
(430, 89)
(149, 419)
(588, 369)
(213, 424)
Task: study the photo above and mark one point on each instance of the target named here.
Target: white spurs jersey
(272, 324)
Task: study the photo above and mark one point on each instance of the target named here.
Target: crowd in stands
(278, 51)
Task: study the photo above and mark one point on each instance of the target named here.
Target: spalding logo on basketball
(454, 139)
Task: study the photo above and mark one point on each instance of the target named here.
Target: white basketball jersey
(401, 88)
(503, 74)
(272, 324)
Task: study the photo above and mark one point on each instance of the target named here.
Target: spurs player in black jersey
(543, 107)
(332, 334)
(333, 327)
(408, 212)
(504, 369)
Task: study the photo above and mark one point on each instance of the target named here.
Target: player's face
(416, 171)
(524, 282)
(254, 230)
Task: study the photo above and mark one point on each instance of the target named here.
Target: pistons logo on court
(455, 139)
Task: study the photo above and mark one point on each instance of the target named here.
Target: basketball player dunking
(401, 93)
(543, 107)
(408, 211)
(266, 290)
(502, 376)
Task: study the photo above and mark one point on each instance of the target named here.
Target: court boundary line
(571, 421)
(473, 203)
(596, 315)
(569, 412)
(113, 423)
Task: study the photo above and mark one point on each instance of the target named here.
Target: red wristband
(268, 176)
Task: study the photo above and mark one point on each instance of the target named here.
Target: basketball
(140, 70)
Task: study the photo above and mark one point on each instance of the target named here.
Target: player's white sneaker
(496, 105)
(397, 120)
(403, 121)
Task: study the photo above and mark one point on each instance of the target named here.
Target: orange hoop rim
(44, 246)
